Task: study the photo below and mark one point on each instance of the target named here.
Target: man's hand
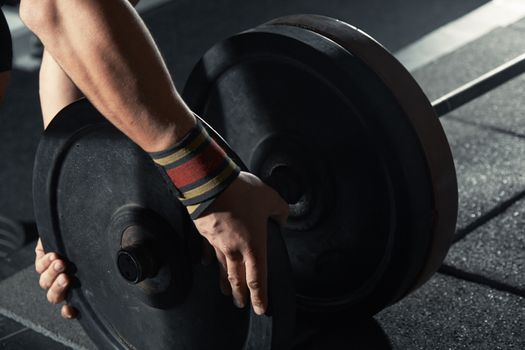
(53, 278)
(236, 226)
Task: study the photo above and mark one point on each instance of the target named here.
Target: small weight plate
(366, 170)
(96, 193)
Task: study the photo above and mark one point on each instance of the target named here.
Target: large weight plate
(95, 191)
(341, 130)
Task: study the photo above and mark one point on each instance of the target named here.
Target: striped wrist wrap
(199, 168)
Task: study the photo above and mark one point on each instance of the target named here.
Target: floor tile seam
(23, 329)
(480, 279)
(491, 214)
(485, 126)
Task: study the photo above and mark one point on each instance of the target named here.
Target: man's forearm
(104, 47)
(55, 88)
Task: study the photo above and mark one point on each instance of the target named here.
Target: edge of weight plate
(50, 151)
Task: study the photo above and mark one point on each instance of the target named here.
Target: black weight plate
(418, 110)
(318, 124)
(92, 188)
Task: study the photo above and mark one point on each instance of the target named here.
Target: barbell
(322, 113)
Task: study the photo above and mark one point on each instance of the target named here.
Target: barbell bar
(479, 86)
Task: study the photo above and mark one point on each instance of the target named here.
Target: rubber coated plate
(92, 185)
(317, 123)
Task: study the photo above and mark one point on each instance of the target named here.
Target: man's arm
(105, 49)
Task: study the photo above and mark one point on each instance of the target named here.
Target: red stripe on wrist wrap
(199, 168)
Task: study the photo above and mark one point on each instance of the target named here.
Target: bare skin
(56, 90)
(103, 49)
(106, 50)
(54, 279)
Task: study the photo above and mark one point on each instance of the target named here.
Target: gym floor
(476, 301)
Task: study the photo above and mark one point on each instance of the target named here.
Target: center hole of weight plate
(138, 258)
(288, 182)
(281, 161)
(128, 266)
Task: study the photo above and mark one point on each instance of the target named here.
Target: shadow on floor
(361, 334)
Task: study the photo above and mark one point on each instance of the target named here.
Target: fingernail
(51, 257)
(238, 304)
(61, 281)
(59, 267)
(69, 312)
(258, 310)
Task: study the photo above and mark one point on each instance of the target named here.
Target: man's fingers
(42, 260)
(57, 293)
(223, 273)
(237, 277)
(45, 261)
(68, 312)
(39, 249)
(52, 277)
(256, 279)
(48, 277)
